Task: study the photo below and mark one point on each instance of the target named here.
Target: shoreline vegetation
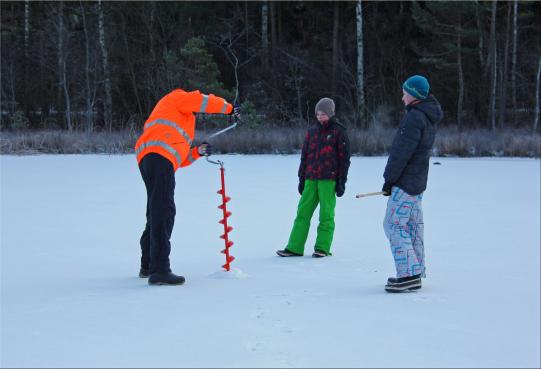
(276, 140)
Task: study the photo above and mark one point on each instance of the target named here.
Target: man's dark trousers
(159, 177)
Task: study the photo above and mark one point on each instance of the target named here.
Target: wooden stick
(359, 195)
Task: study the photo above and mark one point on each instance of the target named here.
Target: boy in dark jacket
(406, 176)
(322, 176)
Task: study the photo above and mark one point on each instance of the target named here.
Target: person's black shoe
(403, 284)
(319, 254)
(169, 279)
(286, 253)
(392, 280)
(145, 273)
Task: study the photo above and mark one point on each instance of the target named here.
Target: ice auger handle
(359, 195)
(217, 162)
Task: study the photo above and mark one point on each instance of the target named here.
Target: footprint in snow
(259, 313)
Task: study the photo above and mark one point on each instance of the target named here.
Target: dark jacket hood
(431, 107)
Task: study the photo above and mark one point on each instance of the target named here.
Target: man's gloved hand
(236, 111)
(205, 149)
(301, 186)
(387, 188)
(340, 187)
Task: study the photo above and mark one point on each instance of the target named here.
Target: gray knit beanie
(325, 105)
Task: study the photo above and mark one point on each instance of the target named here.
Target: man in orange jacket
(164, 146)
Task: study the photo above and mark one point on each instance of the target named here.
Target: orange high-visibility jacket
(170, 129)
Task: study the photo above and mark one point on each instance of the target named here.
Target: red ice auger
(226, 214)
(223, 206)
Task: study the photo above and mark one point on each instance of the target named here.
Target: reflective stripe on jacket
(170, 129)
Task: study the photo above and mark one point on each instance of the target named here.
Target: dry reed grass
(277, 140)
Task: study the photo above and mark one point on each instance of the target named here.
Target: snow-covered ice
(70, 295)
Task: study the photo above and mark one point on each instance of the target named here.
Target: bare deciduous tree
(514, 61)
(265, 25)
(360, 65)
(273, 24)
(108, 103)
(226, 42)
(460, 100)
(480, 27)
(90, 72)
(62, 57)
(26, 26)
(494, 67)
(335, 45)
(537, 108)
(504, 72)
(130, 62)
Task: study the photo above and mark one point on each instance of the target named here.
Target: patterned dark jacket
(407, 166)
(325, 152)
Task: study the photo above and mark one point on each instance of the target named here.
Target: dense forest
(93, 66)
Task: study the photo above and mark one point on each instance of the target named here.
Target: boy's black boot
(392, 280)
(403, 284)
(319, 254)
(286, 253)
(169, 279)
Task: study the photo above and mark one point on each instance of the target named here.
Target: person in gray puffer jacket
(406, 175)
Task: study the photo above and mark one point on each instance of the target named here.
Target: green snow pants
(315, 192)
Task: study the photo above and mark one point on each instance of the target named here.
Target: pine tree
(191, 68)
(199, 68)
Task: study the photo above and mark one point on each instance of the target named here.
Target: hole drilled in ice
(234, 273)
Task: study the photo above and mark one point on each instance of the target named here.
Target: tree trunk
(514, 63)
(26, 27)
(494, 67)
(245, 26)
(335, 37)
(279, 28)
(26, 84)
(503, 83)
(67, 99)
(265, 25)
(62, 68)
(297, 80)
(12, 100)
(152, 21)
(538, 77)
(460, 104)
(130, 67)
(108, 104)
(273, 31)
(88, 89)
(481, 36)
(60, 46)
(273, 23)
(235, 63)
(42, 57)
(360, 66)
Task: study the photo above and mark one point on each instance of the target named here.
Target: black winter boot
(319, 254)
(286, 253)
(403, 284)
(145, 273)
(169, 279)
